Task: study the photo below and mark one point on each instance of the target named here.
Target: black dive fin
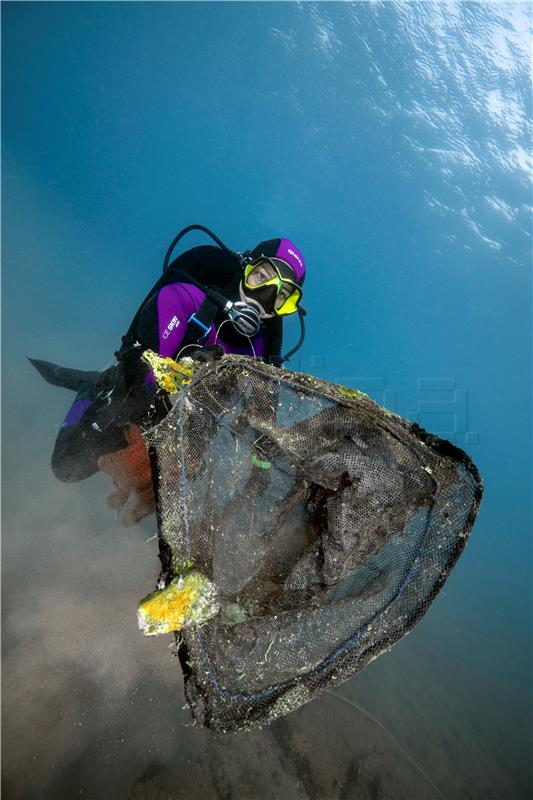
(64, 376)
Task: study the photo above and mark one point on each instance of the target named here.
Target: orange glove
(132, 475)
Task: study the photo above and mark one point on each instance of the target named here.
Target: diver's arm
(163, 321)
(160, 327)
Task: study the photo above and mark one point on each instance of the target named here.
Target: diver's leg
(83, 438)
(78, 448)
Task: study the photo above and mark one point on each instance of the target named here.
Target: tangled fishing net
(307, 528)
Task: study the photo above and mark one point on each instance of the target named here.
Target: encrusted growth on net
(326, 523)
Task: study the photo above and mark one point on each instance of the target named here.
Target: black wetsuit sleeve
(146, 329)
(145, 336)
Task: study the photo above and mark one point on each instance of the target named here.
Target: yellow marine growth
(189, 599)
(353, 394)
(169, 375)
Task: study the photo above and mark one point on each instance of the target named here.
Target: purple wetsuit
(175, 304)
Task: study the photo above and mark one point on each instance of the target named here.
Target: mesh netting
(327, 524)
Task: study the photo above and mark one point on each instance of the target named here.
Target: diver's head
(274, 272)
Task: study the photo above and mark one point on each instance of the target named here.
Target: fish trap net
(325, 523)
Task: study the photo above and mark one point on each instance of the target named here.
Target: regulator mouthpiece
(244, 317)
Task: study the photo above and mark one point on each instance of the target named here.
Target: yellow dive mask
(266, 280)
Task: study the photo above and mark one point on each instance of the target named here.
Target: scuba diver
(208, 301)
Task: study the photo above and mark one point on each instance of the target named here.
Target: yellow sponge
(189, 599)
(169, 375)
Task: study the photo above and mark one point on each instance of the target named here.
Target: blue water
(391, 142)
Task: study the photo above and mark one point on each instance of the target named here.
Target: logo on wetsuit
(174, 322)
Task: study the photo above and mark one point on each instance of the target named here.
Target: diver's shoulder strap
(200, 322)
